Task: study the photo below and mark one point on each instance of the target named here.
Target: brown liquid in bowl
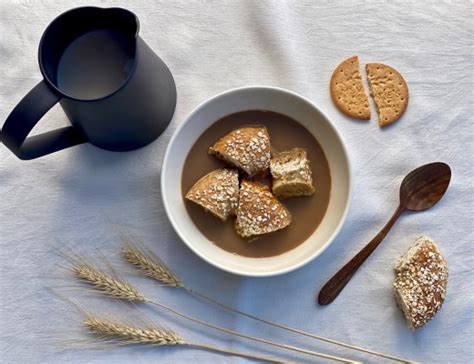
(307, 212)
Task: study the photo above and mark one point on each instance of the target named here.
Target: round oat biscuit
(389, 90)
(347, 90)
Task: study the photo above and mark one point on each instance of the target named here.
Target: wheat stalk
(153, 335)
(120, 289)
(154, 267)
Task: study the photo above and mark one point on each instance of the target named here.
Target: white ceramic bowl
(257, 98)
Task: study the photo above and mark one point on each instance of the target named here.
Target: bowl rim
(176, 228)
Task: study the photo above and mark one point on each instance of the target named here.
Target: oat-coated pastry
(389, 90)
(347, 90)
(259, 211)
(246, 148)
(217, 192)
(291, 174)
(420, 283)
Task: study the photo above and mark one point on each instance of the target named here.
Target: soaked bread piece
(259, 211)
(217, 192)
(291, 174)
(246, 148)
(420, 283)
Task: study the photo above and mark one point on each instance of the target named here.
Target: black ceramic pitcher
(117, 93)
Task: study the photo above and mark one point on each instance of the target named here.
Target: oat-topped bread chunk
(246, 148)
(217, 192)
(259, 211)
(420, 283)
(291, 174)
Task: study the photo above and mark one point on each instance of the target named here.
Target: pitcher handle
(26, 115)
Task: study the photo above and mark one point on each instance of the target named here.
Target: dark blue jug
(117, 93)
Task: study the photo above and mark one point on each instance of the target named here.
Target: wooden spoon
(421, 189)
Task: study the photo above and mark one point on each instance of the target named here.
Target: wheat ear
(130, 334)
(152, 335)
(110, 286)
(120, 289)
(153, 266)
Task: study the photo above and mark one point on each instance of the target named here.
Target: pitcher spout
(125, 20)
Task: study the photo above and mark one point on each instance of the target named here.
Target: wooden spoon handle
(335, 285)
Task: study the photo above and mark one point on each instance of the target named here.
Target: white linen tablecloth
(79, 198)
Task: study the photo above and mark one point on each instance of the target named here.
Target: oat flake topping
(217, 192)
(248, 148)
(259, 211)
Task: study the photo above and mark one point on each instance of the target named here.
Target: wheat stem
(249, 337)
(153, 266)
(235, 353)
(291, 329)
